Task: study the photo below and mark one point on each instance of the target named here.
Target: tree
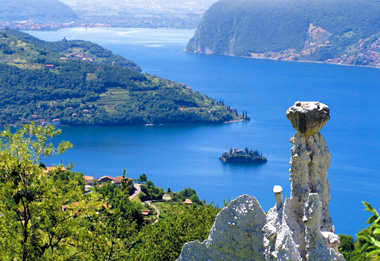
(187, 193)
(113, 232)
(143, 178)
(164, 240)
(347, 247)
(195, 199)
(33, 224)
(368, 241)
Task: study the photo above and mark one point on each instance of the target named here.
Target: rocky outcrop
(236, 234)
(298, 229)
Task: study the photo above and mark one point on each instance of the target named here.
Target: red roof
(48, 169)
(88, 178)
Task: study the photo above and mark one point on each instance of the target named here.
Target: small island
(244, 156)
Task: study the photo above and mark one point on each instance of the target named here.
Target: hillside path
(137, 191)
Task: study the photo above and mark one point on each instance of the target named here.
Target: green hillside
(80, 83)
(36, 10)
(286, 29)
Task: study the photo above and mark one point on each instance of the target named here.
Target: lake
(180, 156)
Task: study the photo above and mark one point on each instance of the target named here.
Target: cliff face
(298, 229)
(331, 31)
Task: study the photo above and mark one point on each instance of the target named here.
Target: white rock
(298, 229)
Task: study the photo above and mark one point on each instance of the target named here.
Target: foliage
(111, 234)
(80, 83)
(369, 239)
(164, 240)
(45, 214)
(151, 192)
(367, 244)
(187, 193)
(33, 224)
(143, 178)
(347, 247)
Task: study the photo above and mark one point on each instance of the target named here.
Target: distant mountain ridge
(336, 31)
(35, 10)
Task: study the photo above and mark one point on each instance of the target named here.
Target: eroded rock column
(308, 207)
(310, 158)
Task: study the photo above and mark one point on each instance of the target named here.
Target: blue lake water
(182, 156)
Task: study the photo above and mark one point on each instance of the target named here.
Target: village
(152, 206)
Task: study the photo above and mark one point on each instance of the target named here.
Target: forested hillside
(319, 30)
(36, 10)
(80, 83)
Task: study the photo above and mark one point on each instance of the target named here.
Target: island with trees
(244, 156)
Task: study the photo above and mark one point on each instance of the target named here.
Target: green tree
(187, 193)
(33, 224)
(113, 232)
(347, 247)
(164, 240)
(143, 178)
(195, 199)
(368, 242)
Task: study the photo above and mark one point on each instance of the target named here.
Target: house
(116, 180)
(146, 212)
(105, 179)
(89, 180)
(188, 201)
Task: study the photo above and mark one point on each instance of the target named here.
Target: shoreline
(285, 60)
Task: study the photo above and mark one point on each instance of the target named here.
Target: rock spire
(298, 229)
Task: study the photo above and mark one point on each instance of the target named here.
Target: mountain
(80, 83)
(141, 13)
(36, 11)
(339, 31)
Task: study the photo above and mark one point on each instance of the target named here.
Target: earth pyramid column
(310, 162)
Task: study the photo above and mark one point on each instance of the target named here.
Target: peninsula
(245, 156)
(79, 83)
